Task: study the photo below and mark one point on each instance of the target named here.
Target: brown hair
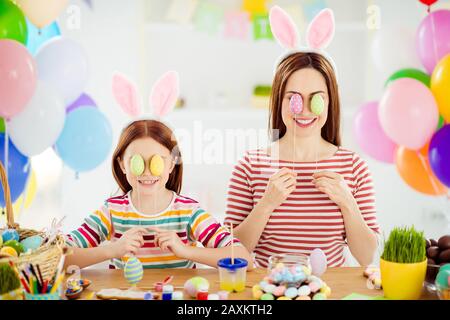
(159, 132)
(295, 62)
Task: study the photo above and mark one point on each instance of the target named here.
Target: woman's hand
(129, 243)
(169, 240)
(280, 186)
(334, 185)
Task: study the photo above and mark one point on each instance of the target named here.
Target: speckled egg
(32, 243)
(10, 234)
(133, 270)
(192, 285)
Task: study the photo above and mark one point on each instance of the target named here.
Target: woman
(304, 191)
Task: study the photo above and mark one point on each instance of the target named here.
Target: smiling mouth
(305, 123)
(148, 182)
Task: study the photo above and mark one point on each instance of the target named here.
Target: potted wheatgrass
(403, 264)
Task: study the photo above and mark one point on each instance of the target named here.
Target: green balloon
(2, 125)
(440, 125)
(410, 73)
(12, 22)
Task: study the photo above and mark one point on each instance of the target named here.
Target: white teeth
(148, 182)
(305, 122)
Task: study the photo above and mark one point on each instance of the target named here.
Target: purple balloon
(370, 135)
(432, 39)
(83, 101)
(439, 155)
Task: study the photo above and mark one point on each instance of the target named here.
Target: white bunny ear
(283, 28)
(321, 30)
(165, 93)
(126, 95)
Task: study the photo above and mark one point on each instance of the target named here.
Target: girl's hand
(280, 186)
(334, 185)
(129, 243)
(169, 240)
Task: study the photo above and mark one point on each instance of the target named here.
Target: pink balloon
(432, 38)
(370, 135)
(17, 78)
(408, 113)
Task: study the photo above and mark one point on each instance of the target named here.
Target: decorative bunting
(237, 25)
(261, 27)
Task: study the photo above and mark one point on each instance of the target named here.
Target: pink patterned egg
(318, 261)
(296, 104)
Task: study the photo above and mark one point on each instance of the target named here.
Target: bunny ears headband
(319, 34)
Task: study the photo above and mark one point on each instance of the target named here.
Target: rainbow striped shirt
(193, 225)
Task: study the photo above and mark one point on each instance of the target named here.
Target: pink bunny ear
(321, 30)
(126, 95)
(283, 28)
(165, 93)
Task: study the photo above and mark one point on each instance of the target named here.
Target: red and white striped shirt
(308, 219)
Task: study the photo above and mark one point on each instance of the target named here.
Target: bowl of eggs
(289, 269)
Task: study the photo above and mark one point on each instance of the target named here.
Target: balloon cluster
(42, 104)
(408, 125)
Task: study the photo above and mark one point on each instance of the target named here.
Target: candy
(10, 234)
(32, 243)
(177, 295)
(269, 288)
(303, 298)
(133, 270)
(9, 251)
(257, 292)
(296, 104)
(304, 291)
(314, 287)
(291, 292)
(137, 165)
(213, 296)
(317, 104)
(279, 291)
(319, 296)
(267, 296)
(318, 262)
(156, 165)
(284, 298)
(192, 285)
(326, 291)
(223, 295)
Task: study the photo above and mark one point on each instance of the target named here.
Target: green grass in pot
(405, 245)
(8, 279)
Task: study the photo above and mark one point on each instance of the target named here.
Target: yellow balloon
(42, 12)
(440, 86)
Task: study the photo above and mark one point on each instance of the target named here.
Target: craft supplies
(133, 271)
(118, 294)
(232, 274)
(158, 286)
(192, 285)
(177, 295)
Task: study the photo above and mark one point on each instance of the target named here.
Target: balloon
(370, 135)
(432, 40)
(37, 37)
(440, 86)
(12, 22)
(440, 125)
(86, 139)
(410, 73)
(18, 170)
(63, 64)
(393, 49)
(439, 155)
(2, 125)
(40, 124)
(83, 101)
(414, 168)
(17, 78)
(408, 113)
(428, 2)
(42, 12)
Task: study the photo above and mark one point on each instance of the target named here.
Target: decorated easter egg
(296, 104)
(317, 104)
(291, 292)
(270, 288)
(320, 296)
(137, 165)
(442, 278)
(257, 292)
(192, 286)
(31, 243)
(279, 291)
(15, 245)
(284, 298)
(303, 298)
(318, 262)
(304, 291)
(445, 267)
(326, 290)
(314, 287)
(9, 251)
(267, 296)
(10, 234)
(156, 165)
(133, 270)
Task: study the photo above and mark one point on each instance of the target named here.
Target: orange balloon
(415, 170)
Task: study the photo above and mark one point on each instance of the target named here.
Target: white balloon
(393, 48)
(39, 125)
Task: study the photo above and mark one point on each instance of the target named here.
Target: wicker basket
(47, 256)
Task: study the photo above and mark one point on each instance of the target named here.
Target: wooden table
(342, 281)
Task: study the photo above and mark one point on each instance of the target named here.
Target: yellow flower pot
(402, 281)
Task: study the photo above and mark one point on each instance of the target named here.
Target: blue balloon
(85, 140)
(439, 155)
(18, 170)
(36, 38)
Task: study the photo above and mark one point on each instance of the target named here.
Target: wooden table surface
(342, 281)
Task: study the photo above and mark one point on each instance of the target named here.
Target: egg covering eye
(317, 104)
(156, 165)
(296, 104)
(137, 165)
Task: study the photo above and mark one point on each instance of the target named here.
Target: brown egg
(427, 243)
(444, 256)
(434, 243)
(433, 252)
(444, 243)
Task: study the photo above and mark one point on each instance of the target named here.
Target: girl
(151, 220)
(305, 191)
